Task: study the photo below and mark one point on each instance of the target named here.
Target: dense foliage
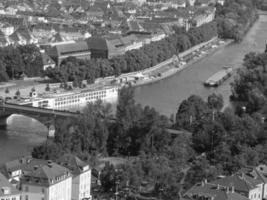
(235, 18)
(15, 61)
(250, 84)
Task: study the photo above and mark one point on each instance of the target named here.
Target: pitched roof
(46, 59)
(213, 191)
(4, 184)
(243, 184)
(97, 43)
(73, 163)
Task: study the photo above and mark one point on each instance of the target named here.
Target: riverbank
(172, 66)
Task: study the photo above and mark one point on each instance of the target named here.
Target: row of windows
(78, 100)
(82, 95)
(255, 196)
(8, 198)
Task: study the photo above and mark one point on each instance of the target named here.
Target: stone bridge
(43, 115)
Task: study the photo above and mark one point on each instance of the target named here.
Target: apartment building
(48, 181)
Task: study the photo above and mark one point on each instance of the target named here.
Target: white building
(47, 182)
(8, 191)
(81, 180)
(204, 18)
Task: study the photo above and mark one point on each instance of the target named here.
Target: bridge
(44, 115)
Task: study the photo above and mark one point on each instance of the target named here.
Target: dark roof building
(60, 51)
(98, 47)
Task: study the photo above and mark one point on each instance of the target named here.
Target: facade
(8, 191)
(204, 18)
(81, 180)
(48, 182)
(79, 97)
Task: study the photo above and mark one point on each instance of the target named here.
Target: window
(43, 190)
(26, 197)
(26, 189)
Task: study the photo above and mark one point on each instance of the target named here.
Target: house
(81, 180)
(60, 51)
(259, 173)
(46, 60)
(211, 191)
(7, 190)
(47, 181)
(243, 184)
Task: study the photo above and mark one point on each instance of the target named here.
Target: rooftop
(6, 188)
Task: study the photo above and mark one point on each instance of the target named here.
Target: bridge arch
(45, 116)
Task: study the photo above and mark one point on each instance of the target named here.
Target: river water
(23, 133)
(166, 95)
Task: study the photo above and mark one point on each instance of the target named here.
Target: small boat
(218, 78)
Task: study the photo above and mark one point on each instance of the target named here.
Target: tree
(215, 101)
(47, 88)
(17, 93)
(108, 177)
(7, 91)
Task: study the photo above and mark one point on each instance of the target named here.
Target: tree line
(18, 60)
(235, 18)
(73, 69)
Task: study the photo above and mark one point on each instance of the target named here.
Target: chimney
(233, 189)
(205, 181)
(218, 186)
(227, 189)
(202, 183)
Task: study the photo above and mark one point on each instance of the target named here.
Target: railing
(38, 110)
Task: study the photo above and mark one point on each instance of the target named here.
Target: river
(23, 133)
(166, 95)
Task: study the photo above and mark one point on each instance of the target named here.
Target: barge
(219, 77)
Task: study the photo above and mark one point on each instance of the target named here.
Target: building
(243, 184)
(259, 173)
(39, 179)
(63, 99)
(48, 181)
(46, 60)
(60, 51)
(205, 17)
(209, 191)
(98, 47)
(8, 191)
(81, 180)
